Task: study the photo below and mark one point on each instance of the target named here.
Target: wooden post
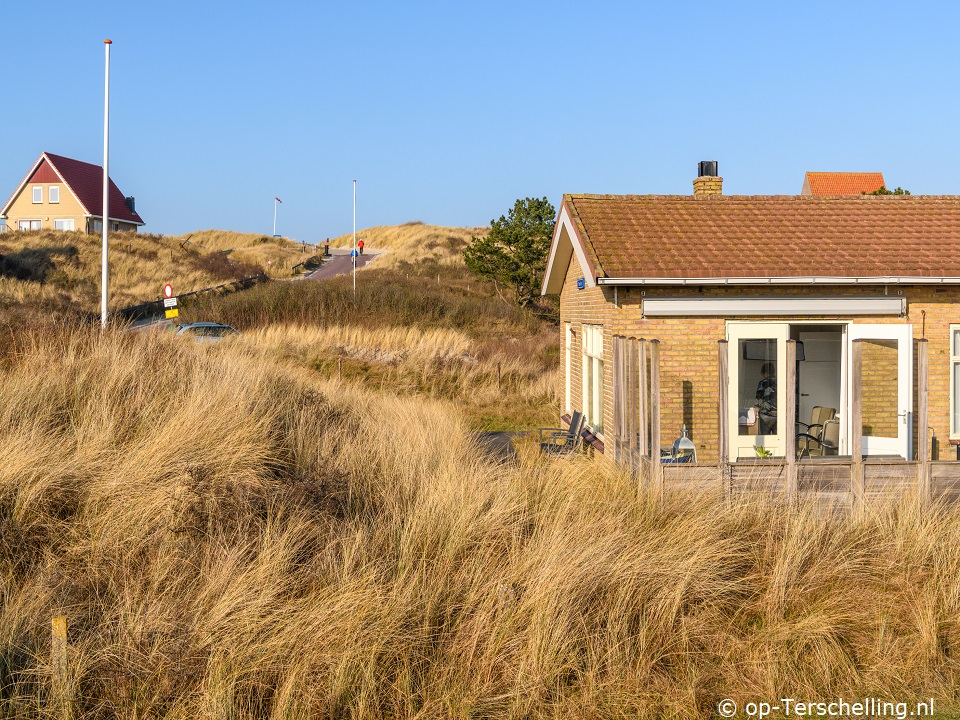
(617, 400)
(723, 436)
(923, 422)
(643, 356)
(339, 369)
(498, 376)
(643, 413)
(789, 418)
(657, 466)
(856, 425)
(631, 383)
(59, 672)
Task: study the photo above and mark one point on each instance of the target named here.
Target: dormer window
(37, 194)
(54, 194)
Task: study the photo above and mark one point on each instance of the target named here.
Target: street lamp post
(354, 240)
(275, 201)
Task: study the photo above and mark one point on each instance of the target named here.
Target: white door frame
(903, 334)
(743, 445)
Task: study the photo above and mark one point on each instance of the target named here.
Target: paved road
(339, 265)
(498, 446)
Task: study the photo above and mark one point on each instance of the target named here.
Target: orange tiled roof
(783, 236)
(842, 183)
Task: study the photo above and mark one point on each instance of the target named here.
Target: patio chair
(827, 442)
(560, 441)
(818, 416)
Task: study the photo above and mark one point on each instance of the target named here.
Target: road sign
(169, 302)
(168, 290)
(172, 313)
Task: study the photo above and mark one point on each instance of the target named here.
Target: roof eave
(566, 244)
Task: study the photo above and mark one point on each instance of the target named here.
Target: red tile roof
(784, 236)
(86, 182)
(842, 183)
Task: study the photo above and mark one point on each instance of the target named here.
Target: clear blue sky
(446, 112)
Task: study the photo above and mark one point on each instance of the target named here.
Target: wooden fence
(155, 308)
(837, 480)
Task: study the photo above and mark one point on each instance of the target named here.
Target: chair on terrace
(827, 442)
(818, 416)
(558, 442)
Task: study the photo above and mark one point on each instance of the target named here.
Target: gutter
(814, 280)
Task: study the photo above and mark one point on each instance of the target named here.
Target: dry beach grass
(231, 536)
(49, 272)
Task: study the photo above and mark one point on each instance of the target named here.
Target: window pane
(757, 387)
(956, 343)
(54, 194)
(598, 397)
(38, 195)
(880, 384)
(955, 424)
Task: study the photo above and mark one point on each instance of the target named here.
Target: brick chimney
(707, 182)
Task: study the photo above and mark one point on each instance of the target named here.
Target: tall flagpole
(104, 275)
(354, 239)
(275, 201)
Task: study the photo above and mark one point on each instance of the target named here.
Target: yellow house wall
(23, 208)
(689, 375)
(46, 212)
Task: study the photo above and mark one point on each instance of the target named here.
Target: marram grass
(230, 536)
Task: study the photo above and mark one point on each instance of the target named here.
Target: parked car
(207, 331)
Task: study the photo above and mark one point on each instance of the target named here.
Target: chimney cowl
(707, 183)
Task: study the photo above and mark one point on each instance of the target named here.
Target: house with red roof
(739, 278)
(60, 193)
(842, 183)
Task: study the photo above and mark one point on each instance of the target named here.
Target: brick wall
(688, 350)
(879, 389)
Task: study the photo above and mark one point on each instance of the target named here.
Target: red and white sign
(168, 290)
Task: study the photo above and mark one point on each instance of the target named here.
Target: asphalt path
(339, 265)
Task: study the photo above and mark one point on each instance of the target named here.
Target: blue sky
(447, 112)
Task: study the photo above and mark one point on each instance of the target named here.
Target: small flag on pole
(278, 200)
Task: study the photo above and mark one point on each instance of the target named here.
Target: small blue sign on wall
(581, 284)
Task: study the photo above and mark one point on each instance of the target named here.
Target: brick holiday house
(757, 272)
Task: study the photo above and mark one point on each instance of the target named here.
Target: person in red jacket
(360, 245)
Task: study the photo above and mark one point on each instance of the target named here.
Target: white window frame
(29, 225)
(954, 363)
(66, 224)
(53, 194)
(115, 227)
(38, 194)
(592, 353)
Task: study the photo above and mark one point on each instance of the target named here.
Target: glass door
(756, 378)
(886, 387)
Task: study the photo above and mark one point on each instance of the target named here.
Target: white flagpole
(274, 215)
(104, 275)
(354, 239)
